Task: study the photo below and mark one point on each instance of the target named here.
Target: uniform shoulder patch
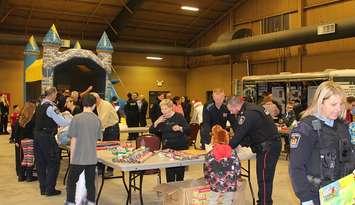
(209, 106)
(295, 140)
(241, 120)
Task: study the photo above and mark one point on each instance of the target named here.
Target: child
(13, 119)
(84, 131)
(221, 168)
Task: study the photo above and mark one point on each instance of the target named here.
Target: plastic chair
(195, 127)
(153, 143)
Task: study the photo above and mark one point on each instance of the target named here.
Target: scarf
(221, 151)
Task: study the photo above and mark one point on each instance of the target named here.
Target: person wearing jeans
(84, 131)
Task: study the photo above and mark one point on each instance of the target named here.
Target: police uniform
(253, 127)
(46, 148)
(211, 116)
(132, 117)
(321, 152)
(155, 111)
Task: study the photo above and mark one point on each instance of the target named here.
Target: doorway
(78, 74)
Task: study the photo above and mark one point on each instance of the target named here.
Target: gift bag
(80, 192)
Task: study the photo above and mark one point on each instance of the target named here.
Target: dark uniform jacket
(154, 111)
(131, 111)
(44, 123)
(211, 116)
(320, 154)
(143, 113)
(252, 126)
(173, 139)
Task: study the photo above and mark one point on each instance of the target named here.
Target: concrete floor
(13, 192)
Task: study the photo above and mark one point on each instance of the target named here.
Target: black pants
(142, 120)
(265, 170)
(18, 158)
(175, 174)
(73, 177)
(3, 124)
(47, 155)
(111, 133)
(133, 123)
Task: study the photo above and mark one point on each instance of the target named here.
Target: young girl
(221, 168)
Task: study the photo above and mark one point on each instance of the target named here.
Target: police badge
(241, 120)
(295, 140)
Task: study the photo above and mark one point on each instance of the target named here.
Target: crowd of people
(313, 137)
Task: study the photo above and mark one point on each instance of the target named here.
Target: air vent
(326, 29)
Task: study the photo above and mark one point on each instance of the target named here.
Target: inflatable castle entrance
(73, 69)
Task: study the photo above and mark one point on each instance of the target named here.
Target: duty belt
(265, 146)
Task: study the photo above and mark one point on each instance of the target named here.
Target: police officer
(321, 151)
(46, 149)
(253, 127)
(214, 113)
(154, 110)
(131, 111)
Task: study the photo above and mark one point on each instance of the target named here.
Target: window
(275, 23)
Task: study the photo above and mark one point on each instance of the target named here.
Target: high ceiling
(148, 21)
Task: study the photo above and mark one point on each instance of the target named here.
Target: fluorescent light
(154, 58)
(189, 8)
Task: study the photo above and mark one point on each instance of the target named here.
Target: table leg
(129, 193)
(141, 186)
(102, 184)
(250, 186)
(66, 172)
(124, 182)
(249, 180)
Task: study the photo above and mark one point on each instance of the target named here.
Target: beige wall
(139, 59)
(11, 80)
(143, 79)
(202, 79)
(137, 74)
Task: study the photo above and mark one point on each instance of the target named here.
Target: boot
(53, 192)
(29, 175)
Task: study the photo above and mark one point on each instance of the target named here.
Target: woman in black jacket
(4, 113)
(174, 130)
(24, 143)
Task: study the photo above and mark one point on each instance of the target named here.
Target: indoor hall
(208, 60)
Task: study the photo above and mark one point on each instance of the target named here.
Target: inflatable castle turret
(68, 69)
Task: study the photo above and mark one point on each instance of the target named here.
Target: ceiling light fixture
(154, 58)
(189, 8)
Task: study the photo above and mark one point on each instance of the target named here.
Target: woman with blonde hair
(174, 129)
(24, 143)
(320, 147)
(4, 113)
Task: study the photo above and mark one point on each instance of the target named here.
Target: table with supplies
(160, 160)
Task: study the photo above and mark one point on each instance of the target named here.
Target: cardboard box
(184, 193)
(192, 192)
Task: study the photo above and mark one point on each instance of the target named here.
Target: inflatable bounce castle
(73, 69)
